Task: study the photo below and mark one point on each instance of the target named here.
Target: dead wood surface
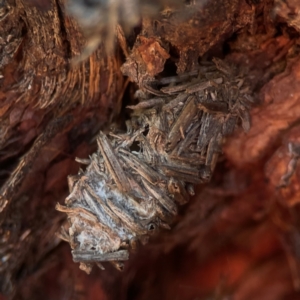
(237, 239)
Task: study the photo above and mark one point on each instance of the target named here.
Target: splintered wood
(134, 183)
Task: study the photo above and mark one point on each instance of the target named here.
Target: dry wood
(238, 237)
(133, 192)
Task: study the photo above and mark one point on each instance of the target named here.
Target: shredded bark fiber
(135, 181)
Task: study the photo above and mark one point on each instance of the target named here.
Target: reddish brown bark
(237, 239)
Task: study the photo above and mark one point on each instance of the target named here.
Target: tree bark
(239, 236)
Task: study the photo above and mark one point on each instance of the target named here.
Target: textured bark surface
(50, 112)
(239, 236)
